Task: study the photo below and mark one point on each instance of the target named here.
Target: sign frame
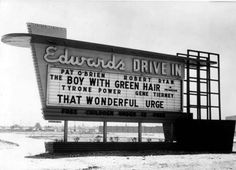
(52, 112)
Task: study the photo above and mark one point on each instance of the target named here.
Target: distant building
(16, 127)
(231, 117)
(50, 129)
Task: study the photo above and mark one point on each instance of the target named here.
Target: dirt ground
(17, 151)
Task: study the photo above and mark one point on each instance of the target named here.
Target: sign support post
(105, 131)
(139, 132)
(65, 130)
(171, 132)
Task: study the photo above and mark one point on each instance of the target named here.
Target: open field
(121, 137)
(18, 151)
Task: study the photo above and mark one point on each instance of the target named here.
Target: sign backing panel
(89, 84)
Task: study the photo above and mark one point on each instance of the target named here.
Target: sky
(163, 27)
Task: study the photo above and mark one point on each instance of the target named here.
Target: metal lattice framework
(202, 84)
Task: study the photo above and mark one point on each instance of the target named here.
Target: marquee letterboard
(116, 91)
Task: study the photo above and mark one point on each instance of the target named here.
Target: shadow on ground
(8, 142)
(116, 153)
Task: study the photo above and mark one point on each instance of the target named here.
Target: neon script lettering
(50, 57)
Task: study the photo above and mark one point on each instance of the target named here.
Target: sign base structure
(213, 136)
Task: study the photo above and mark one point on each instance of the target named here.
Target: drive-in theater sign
(89, 83)
(83, 81)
